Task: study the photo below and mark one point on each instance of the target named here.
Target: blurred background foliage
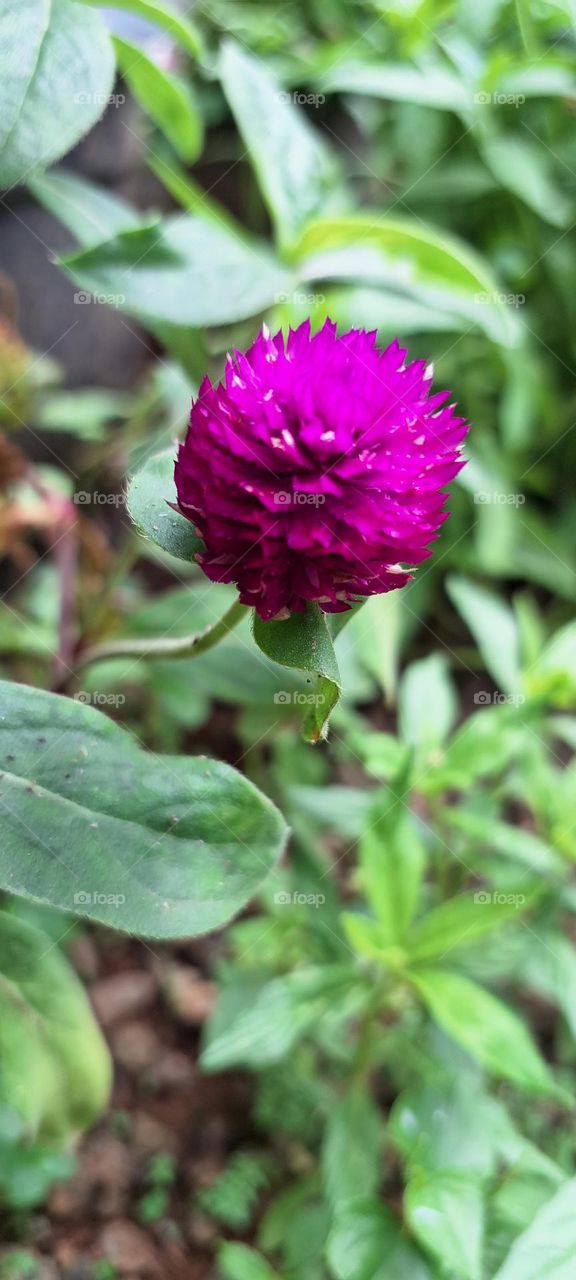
(408, 167)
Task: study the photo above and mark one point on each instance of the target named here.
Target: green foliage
(232, 1199)
(149, 841)
(54, 1066)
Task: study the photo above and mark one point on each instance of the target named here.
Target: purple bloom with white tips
(316, 470)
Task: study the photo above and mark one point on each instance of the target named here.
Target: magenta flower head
(316, 470)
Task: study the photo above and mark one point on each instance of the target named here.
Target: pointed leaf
(304, 641)
(485, 1027)
(149, 493)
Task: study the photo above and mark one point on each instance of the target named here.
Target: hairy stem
(161, 647)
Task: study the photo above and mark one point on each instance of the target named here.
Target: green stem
(179, 647)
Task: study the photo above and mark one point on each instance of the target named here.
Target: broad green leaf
(460, 921)
(149, 493)
(304, 641)
(166, 98)
(450, 1124)
(295, 170)
(240, 1262)
(185, 270)
(351, 1150)
(494, 628)
(485, 1027)
(178, 26)
(547, 1249)
(54, 1065)
(264, 1029)
(427, 702)
(367, 1243)
(57, 75)
(430, 265)
(445, 1210)
(391, 865)
(161, 846)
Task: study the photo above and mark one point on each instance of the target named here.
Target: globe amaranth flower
(315, 471)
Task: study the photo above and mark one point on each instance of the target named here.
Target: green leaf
(166, 98)
(57, 74)
(419, 262)
(149, 493)
(352, 1148)
(521, 165)
(161, 846)
(449, 1124)
(304, 641)
(427, 702)
(54, 1065)
(367, 1243)
(185, 270)
(239, 1262)
(178, 26)
(435, 86)
(494, 627)
(90, 212)
(460, 921)
(445, 1211)
(485, 1027)
(296, 172)
(263, 1029)
(548, 1247)
(391, 865)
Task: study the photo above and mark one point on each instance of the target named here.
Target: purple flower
(316, 469)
